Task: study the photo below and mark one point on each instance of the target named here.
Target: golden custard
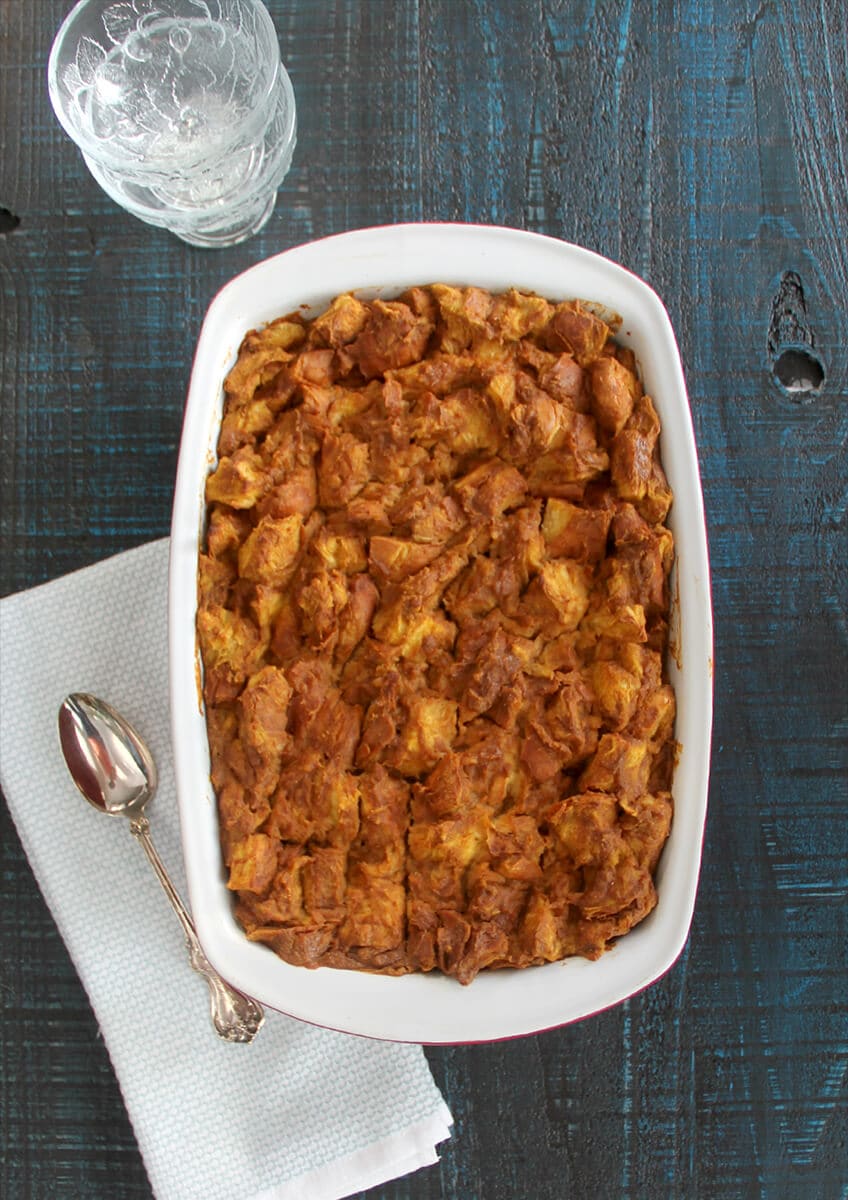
(433, 616)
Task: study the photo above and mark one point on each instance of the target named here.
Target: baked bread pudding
(433, 617)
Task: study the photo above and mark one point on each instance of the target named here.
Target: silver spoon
(115, 771)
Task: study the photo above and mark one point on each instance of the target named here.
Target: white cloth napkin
(300, 1114)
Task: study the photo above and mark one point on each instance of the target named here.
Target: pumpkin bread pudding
(433, 619)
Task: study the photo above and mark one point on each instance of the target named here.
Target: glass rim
(63, 102)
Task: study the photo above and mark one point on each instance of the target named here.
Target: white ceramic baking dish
(499, 1004)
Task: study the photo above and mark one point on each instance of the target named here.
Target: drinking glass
(182, 109)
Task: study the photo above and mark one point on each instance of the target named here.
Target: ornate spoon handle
(236, 1017)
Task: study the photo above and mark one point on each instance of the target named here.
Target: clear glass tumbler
(182, 109)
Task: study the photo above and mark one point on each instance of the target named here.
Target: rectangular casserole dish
(499, 1004)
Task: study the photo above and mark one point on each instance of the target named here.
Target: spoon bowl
(107, 759)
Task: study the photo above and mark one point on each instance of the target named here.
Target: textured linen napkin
(300, 1114)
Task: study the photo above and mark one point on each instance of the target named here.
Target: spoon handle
(236, 1017)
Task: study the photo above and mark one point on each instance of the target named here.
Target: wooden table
(703, 145)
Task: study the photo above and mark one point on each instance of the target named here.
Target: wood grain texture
(703, 145)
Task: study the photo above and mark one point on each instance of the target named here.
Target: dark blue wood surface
(705, 146)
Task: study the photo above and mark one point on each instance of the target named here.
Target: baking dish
(498, 1004)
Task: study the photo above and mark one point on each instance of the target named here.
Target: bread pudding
(433, 617)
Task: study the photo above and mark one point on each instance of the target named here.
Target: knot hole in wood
(8, 220)
(796, 367)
